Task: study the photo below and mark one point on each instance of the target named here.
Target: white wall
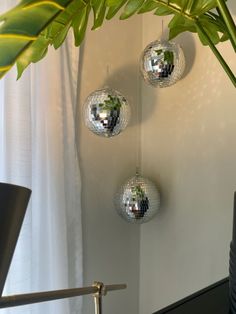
(188, 147)
(111, 246)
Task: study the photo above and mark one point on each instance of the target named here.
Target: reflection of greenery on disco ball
(138, 200)
(162, 63)
(106, 112)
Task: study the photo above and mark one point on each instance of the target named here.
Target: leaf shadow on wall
(186, 41)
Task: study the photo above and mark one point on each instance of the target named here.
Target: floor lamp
(13, 204)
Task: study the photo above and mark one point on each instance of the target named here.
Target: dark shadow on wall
(186, 41)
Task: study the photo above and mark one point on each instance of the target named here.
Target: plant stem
(217, 54)
(229, 22)
(228, 33)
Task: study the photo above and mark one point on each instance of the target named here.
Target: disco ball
(107, 112)
(162, 63)
(138, 200)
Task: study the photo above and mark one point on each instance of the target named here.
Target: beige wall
(189, 148)
(188, 136)
(111, 246)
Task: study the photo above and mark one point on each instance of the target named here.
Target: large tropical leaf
(27, 30)
(131, 7)
(54, 34)
(20, 29)
(99, 11)
(114, 7)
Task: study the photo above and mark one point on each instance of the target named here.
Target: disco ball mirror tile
(138, 200)
(162, 63)
(107, 112)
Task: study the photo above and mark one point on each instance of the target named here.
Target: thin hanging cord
(108, 72)
(138, 126)
(162, 29)
(107, 76)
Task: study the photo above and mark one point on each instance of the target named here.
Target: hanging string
(138, 127)
(107, 75)
(162, 29)
(108, 72)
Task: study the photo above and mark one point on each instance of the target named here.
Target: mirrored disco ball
(138, 200)
(162, 63)
(107, 112)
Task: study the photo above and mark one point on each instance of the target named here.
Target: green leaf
(99, 10)
(179, 20)
(59, 27)
(178, 5)
(162, 10)
(199, 7)
(175, 31)
(33, 54)
(79, 24)
(148, 6)
(114, 9)
(28, 29)
(210, 28)
(131, 7)
(219, 22)
(21, 28)
(57, 42)
(54, 34)
(213, 35)
(224, 37)
(179, 24)
(112, 3)
(176, 20)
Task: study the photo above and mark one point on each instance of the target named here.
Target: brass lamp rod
(30, 298)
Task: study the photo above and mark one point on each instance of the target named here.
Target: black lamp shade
(13, 203)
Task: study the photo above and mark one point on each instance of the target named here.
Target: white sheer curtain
(38, 150)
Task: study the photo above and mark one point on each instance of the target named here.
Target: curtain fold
(38, 150)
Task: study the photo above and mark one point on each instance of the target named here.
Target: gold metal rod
(115, 287)
(98, 296)
(98, 304)
(23, 299)
(30, 298)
